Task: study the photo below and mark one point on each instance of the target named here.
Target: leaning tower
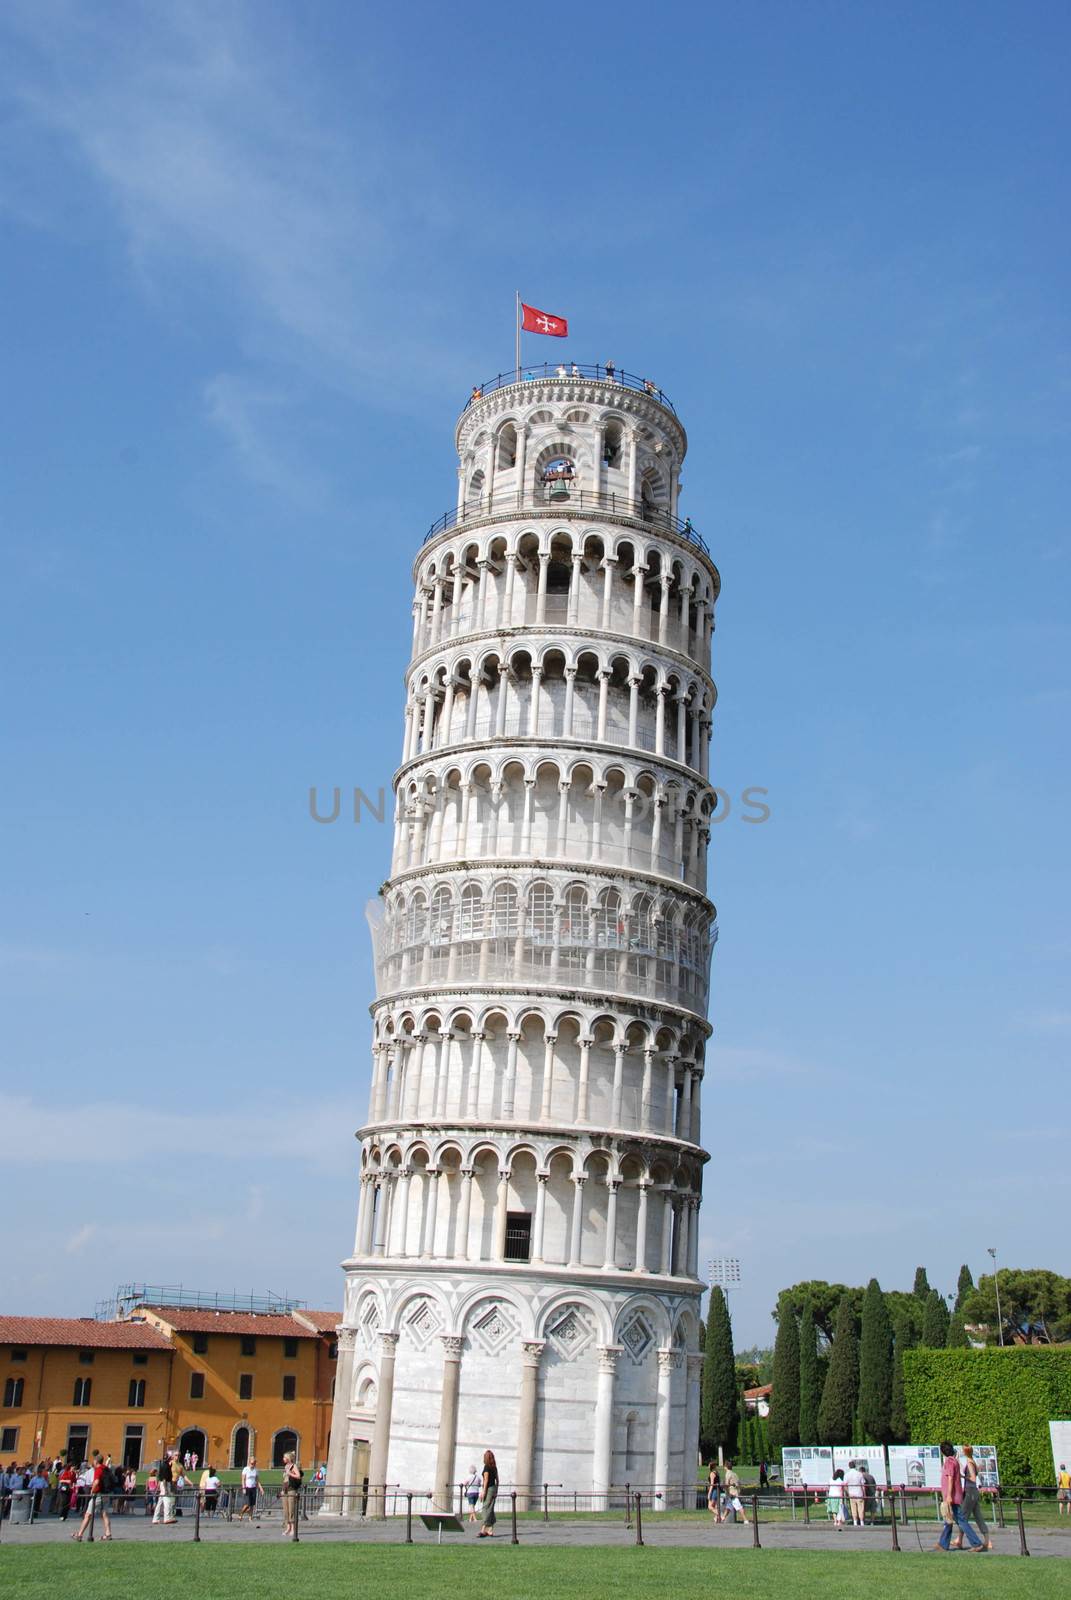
(524, 1275)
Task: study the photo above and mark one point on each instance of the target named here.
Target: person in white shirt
(855, 1484)
(250, 1480)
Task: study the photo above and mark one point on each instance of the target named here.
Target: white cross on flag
(533, 321)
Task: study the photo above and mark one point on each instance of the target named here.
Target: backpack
(108, 1480)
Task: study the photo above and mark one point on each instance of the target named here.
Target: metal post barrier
(461, 1499)
(903, 1504)
(1023, 1551)
(197, 1518)
(231, 1492)
(297, 1520)
(513, 1517)
(892, 1519)
(639, 1519)
(574, 1502)
(999, 1499)
(806, 1507)
(755, 1522)
(628, 1506)
(409, 1519)
(546, 1504)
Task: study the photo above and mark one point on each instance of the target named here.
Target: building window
(141, 1360)
(85, 1358)
(9, 1440)
(245, 1386)
(518, 1235)
(332, 1350)
(77, 1442)
(197, 1385)
(13, 1391)
(82, 1390)
(133, 1443)
(289, 1387)
(249, 1344)
(18, 1355)
(290, 1348)
(200, 1344)
(136, 1392)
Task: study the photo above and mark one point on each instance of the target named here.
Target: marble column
(667, 1361)
(576, 1244)
(377, 1462)
(531, 1350)
(539, 1224)
(603, 1453)
(610, 1257)
(641, 1227)
(691, 1432)
(464, 1211)
(447, 1445)
(340, 1501)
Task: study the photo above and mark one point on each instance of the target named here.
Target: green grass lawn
(397, 1572)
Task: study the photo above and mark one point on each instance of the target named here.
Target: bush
(1000, 1397)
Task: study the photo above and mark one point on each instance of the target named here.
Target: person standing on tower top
(611, 372)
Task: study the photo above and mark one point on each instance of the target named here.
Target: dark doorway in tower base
(518, 1236)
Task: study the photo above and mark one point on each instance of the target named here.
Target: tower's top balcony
(599, 384)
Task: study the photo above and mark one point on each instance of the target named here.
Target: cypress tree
(784, 1421)
(717, 1417)
(875, 1366)
(899, 1428)
(836, 1413)
(935, 1323)
(810, 1392)
(957, 1334)
(964, 1285)
(921, 1286)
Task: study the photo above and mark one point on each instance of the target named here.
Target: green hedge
(1001, 1397)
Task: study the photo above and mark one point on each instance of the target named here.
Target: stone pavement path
(659, 1533)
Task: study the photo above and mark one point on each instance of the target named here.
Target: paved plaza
(659, 1532)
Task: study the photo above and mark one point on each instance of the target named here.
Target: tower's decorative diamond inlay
(570, 1333)
(494, 1328)
(422, 1323)
(637, 1338)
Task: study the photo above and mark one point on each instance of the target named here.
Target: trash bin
(21, 1505)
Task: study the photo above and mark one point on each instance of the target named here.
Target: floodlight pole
(990, 1250)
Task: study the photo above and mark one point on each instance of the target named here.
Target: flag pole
(517, 337)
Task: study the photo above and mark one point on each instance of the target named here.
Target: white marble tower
(525, 1269)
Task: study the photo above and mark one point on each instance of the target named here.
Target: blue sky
(254, 258)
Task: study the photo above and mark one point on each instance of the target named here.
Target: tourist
(472, 1490)
(952, 1502)
(100, 1487)
(731, 1498)
(165, 1503)
(853, 1482)
(972, 1500)
(713, 1490)
(488, 1495)
(1063, 1491)
(575, 370)
(476, 393)
(562, 373)
(870, 1489)
(610, 372)
(288, 1494)
(250, 1479)
(764, 1477)
(37, 1485)
(835, 1499)
(67, 1488)
(209, 1491)
(152, 1490)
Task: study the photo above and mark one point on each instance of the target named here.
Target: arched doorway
(286, 1439)
(194, 1443)
(240, 1447)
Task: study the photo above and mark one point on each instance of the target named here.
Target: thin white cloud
(44, 1135)
(81, 1238)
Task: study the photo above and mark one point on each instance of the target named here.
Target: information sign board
(867, 1457)
(806, 1466)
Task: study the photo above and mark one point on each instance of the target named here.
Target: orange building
(223, 1385)
(249, 1383)
(71, 1385)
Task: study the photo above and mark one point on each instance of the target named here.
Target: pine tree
(921, 1286)
(964, 1285)
(935, 1323)
(956, 1338)
(784, 1421)
(810, 1391)
(875, 1366)
(899, 1427)
(836, 1414)
(718, 1404)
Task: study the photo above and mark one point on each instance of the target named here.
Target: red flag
(533, 321)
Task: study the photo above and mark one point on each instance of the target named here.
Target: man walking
(952, 1502)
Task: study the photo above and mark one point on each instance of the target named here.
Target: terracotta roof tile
(185, 1320)
(322, 1321)
(84, 1332)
